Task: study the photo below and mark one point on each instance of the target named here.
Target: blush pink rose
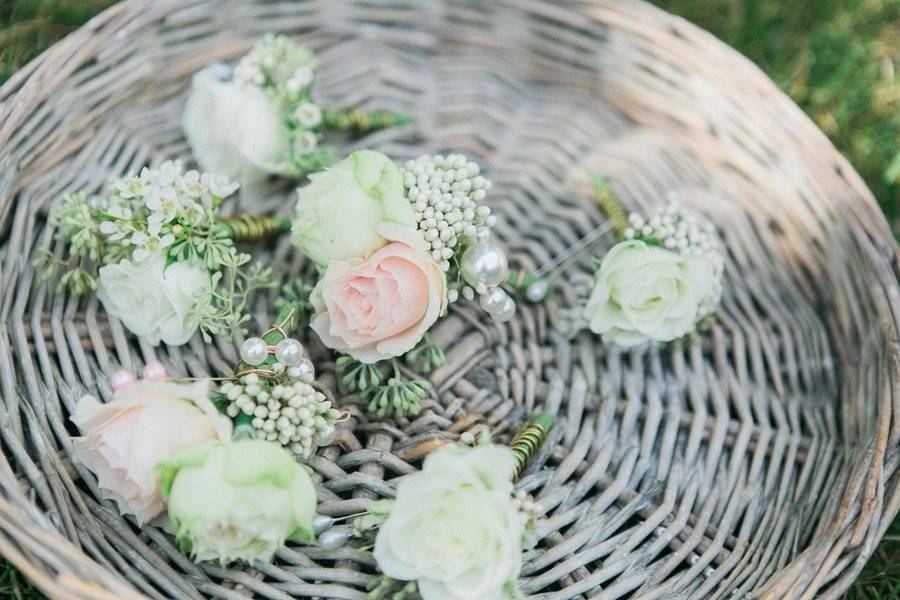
(380, 307)
(145, 424)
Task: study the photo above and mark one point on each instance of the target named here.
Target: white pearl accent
(333, 539)
(322, 523)
(537, 290)
(507, 311)
(493, 301)
(485, 263)
(254, 351)
(289, 352)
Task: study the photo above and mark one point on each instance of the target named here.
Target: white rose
(454, 526)
(233, 129)
(647, 293)
(153, 301)
(341, 211)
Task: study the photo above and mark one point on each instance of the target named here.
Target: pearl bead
(326, 437)
(507, 311)
(537, 290)
(254, 351)
(493, 301)
(332, 539)
(121, 380)
(305, 370)
(289, 352)
(154, 371)
(322, 523)
(486, 263)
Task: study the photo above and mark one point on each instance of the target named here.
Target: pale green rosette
(237, 501)
(341, 212)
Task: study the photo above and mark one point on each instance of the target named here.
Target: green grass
(836, 58)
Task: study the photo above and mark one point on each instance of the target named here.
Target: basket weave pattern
(758, 458)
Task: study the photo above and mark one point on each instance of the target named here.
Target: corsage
(394, 246)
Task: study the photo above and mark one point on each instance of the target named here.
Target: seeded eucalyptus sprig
(382, 587)
(398, 395)
(426, 357)
(358, 376)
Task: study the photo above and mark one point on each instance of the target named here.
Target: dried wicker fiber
(758, 459)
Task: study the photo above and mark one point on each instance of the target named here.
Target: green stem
(520, 280)
(610, 205)
(529, 439)
(358, 122)
(253, 229)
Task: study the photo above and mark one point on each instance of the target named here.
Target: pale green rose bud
(647, 293)
(340, 212)
(237, 501)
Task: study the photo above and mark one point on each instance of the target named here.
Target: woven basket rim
(27, 89)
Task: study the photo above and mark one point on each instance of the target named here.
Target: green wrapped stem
(527, 441)
(357, 121)
(610, 205)
(252, 229)
(520, 280)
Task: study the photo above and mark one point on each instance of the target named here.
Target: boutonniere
(232, 484)
(457, 529)
(159, 256)
(160, 447)
(661, 281)
(259, 118)
(395, 245)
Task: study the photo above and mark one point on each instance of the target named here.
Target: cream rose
(341, 210)
(153, 301)
(454, 527)
(233, 129)
(648, 293)
(380, 307)
(148, 422)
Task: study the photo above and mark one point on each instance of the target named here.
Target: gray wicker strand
(759, 458)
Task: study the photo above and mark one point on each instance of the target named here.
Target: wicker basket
(760, 459)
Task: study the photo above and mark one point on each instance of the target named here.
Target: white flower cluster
(285, 71)
(446, 194)
(674, 230)
(276, 61)
(291, 413)
(164, 198)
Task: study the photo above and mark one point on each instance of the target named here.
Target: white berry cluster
(446, 193)
(275, 61)
(674, 230)
(291, 412)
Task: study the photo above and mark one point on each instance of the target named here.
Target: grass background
(837, 60)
